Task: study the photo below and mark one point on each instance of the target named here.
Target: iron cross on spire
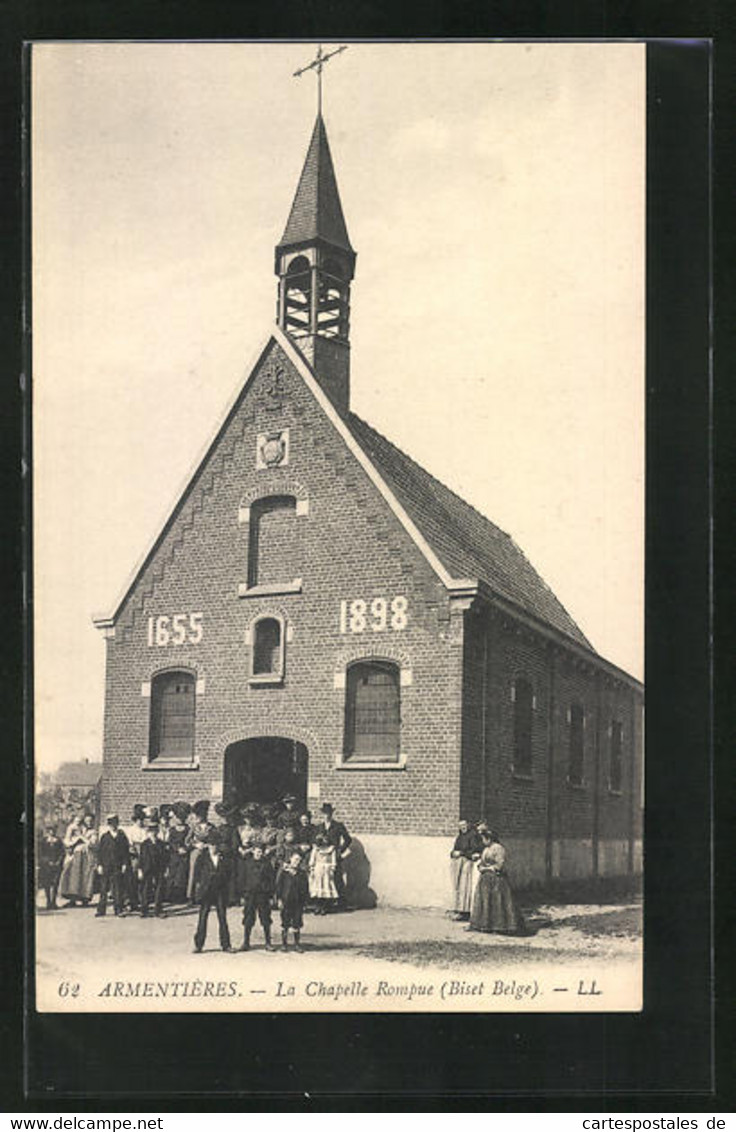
(317, 65)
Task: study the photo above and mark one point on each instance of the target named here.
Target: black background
(663, 1059)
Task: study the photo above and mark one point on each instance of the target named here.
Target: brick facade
(351, 546)
(458, 657)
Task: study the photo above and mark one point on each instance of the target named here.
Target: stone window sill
(266, 678)
(270, 589)
(615, 793)
(521, 776)
(577, 785)
(170, 764)
(400, 764)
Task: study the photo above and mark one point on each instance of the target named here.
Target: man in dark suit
(113, 862)
(212, 872)
(337, 835)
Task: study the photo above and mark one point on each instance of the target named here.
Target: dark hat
(224, 809)
(151, 812)
(182, 810)
(328, 808)
(138, 811)
(201, 809)
(288, 798)
(166, 808)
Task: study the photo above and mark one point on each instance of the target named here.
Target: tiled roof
(467, 544)
(79, 774)
(316, 210)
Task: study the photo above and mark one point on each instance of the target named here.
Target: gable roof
(461, 546)
(316, 211)
(468, 544)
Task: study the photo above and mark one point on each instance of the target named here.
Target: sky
(494, 194)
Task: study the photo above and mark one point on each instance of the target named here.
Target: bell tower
(315, 264)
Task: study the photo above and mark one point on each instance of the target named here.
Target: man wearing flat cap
(113, 863)
(211, 882)
(337, 835)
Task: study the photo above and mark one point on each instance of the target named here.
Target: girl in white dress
(322, 867)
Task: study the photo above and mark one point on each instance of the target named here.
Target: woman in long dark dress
(494, 907)
(177, 873)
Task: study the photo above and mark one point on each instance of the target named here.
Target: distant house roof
(83, 773)
(467, 544)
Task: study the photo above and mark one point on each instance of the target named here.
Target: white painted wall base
(409, 871)
(613, 858)
(572, 858)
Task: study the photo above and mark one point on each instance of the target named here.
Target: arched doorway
(264, 770)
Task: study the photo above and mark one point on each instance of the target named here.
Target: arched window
(267, 649)
(372, 713)
(173, 702)
(523, 725)
(298, 296)
(615, 767)
(272, 543)
(576, 754)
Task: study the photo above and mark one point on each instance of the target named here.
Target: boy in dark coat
(152, 860)
(212, 871)
(292, 890)
(113, 862)
(51, 853)
(258, 884)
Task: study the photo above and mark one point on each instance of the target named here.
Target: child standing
(291, 893)
(51, 853)
(322, 868)
(258, 883)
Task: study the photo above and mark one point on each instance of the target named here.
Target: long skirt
(192, 862)
(494, 907)
(78, 875)
(322, 882)
(461, 874)
(177, 877)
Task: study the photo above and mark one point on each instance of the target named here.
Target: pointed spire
(316, 212)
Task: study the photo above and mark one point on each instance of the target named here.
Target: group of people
(481, 893)
(257, 856)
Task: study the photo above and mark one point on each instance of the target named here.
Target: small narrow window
(615, 772)
(172, 717)
(576, 756)
(268, 649)
(272, 543)
(523, 721)
(373, 713)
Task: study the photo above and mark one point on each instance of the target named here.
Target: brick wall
(351, 547)
(587, 822)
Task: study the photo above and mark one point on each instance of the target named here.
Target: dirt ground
(576, 956)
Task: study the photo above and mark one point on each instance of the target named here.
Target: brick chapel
(320, 615)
